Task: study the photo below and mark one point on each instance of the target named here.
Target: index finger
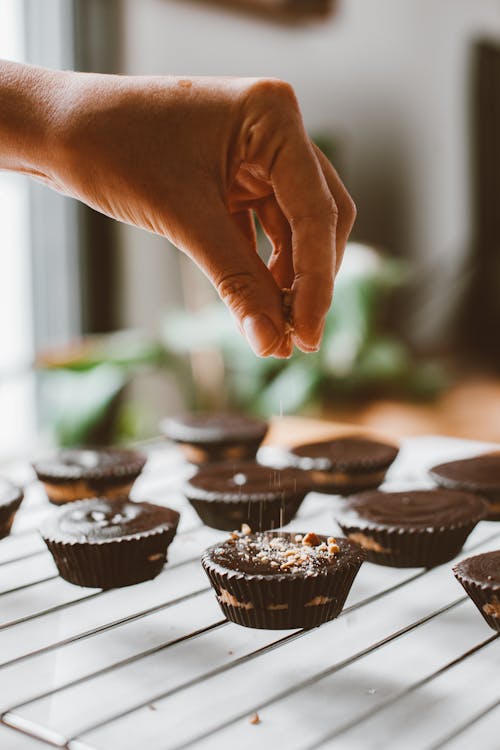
(304, 197)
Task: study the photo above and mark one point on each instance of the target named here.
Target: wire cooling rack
(409, 662)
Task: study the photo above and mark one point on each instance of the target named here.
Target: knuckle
(235, 289)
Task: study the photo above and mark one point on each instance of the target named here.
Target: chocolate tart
(420, 528)
(10, 499)
(76, 474)
(206, 438)
(480, 475)
(110, 543)
(480, 577)
(227, 495)
(345, 465)
(278, 580)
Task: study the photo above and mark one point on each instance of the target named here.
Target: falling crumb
(230, 652)
(255, 718)
(152, 707)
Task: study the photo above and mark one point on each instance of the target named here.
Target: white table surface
(408, 664)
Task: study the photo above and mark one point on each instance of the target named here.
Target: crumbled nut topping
(245, 529)
(311, 539)
(306, 553)
(255, 718)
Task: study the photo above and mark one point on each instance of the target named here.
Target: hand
(190, 159)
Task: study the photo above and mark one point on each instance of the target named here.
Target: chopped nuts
(298, 537)
(311, 539)
(245, 529)
(255, 718)
(287, 297)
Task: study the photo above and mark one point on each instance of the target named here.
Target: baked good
(205, 438)
(278, 580)
(110, 543)
(10, 499)
(419, 528)
(228, 494)
(345, 465)
(78, 473)
(480, 474)
(480, 577)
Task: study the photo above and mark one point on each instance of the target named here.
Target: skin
(190, 159)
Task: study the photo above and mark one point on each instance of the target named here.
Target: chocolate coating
(245, 482)
(101, 520)
(213, 428)
(242, 554)
(483, 570)
(90, 464)
(478, 473)
(424, 509)
(10, 500)
(344, 454)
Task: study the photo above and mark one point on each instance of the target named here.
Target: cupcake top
(86, 463)
(101, 520)
(213, 428)
(417, 509)
(245, 481)
(281, 553)
(478, 473)
(9, 494)
(344, 454)
(483, 570)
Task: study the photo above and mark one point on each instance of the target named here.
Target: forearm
(28, 109)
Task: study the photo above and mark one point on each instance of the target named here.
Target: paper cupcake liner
(114, 563)
(483, 598)
(261, 515)
(409, 548)
(7, 514)
(280, 602)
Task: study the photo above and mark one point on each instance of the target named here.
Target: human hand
(191, 159)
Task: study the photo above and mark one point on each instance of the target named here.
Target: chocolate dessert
(278, 580)
(345, 465)
(227, 495)
(420, 528)
(110, 543)
(480, 577)
(10, 500)
(480, 475)
(206, 438)
(75, 474)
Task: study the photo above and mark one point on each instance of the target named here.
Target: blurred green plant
(84, 387)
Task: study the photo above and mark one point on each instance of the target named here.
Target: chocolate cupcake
(227, 495)
(277, 580)
(206, 438)
(10, 500)
(480, 475)
(480, 577)
(345, 465)
(110, 543)
(76, 474)
(420, 528)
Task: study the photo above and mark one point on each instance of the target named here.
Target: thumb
(244, 283)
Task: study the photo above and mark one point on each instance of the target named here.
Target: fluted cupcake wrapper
(113, 563)
(7, 514)
(260, 515)
(281, 602)
(409, 548)
(485, 599)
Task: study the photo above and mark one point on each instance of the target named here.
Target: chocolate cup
(476, 475)
(403, 545)
(209, 438)
(283, 601)
(485, 595)
(114, 563)
(344, 466)
(10, 499)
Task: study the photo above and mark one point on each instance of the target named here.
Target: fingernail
(261, 334)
